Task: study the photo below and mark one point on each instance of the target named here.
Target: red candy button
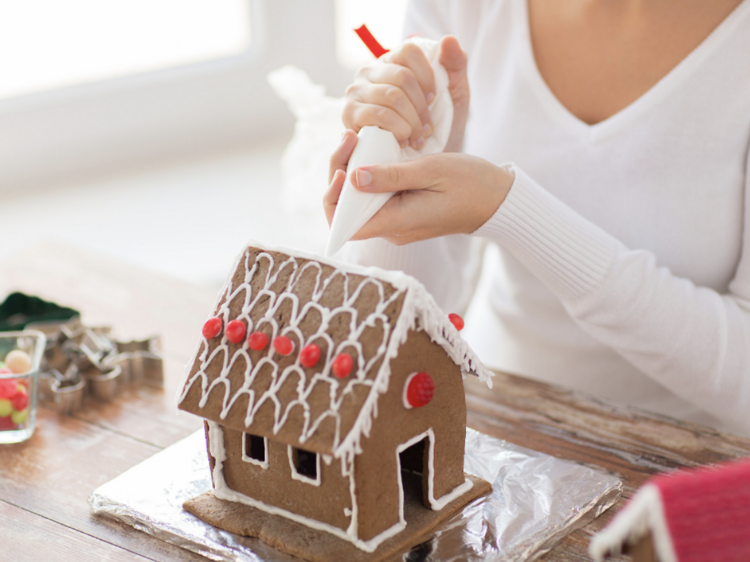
(212, 328)
(6, 423)
(457, 321)
(257, 341)
(283, 345)
(20, 400)
(8, 388)
(236, 331)
(310, 356)
(342, 365)
(419, 390)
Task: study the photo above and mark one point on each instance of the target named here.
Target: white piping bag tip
(355, 208)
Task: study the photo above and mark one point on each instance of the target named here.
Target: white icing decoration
(222, 491)
(248, 458)
(301, 477)
(435, 504)
(644, 512)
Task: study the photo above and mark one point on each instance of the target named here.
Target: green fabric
(19, 310)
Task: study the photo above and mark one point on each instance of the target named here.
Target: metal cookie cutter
(64, 390)
(84, 361)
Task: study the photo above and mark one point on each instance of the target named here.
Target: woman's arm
(382, 95)
(448, 266)
(693, 340)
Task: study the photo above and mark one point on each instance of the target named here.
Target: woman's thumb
(452, 56)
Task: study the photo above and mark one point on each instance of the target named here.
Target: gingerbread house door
(414, 471)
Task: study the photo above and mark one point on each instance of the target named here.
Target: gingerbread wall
(275, 486)
(376, 469)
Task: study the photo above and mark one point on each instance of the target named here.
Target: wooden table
(45, 482)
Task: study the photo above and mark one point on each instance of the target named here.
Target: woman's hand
(434, 196)
(394, 94)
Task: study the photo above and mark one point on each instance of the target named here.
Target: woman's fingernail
(420, 143)
(364, 178)
(427, 130)
(429, 97)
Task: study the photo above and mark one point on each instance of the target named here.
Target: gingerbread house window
(254, 450)
(305, 465)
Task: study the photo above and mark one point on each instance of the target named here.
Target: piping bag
(376, 146)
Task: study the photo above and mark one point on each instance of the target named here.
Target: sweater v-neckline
(592, 134)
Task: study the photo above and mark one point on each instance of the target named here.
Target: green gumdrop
(19, 417)
(5, 407)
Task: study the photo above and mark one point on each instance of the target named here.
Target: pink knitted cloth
(708, 512)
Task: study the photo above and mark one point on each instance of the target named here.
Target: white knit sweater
(625, 246)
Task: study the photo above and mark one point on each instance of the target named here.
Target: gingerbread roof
(692, 515)
(364, 312)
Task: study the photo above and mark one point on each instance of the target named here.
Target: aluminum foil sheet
(535, 502)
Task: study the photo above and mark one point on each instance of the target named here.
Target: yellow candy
(19, 417)
(18, 361)
(5, 407)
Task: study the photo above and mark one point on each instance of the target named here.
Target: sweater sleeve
(691, 339)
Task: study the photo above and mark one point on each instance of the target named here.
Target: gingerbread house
(325, 387)
(686, 516)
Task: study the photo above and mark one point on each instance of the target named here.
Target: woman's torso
(666, 174)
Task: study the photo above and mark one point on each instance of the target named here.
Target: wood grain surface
(45, 482)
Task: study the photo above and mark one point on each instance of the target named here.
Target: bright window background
(384, 18)
(47, 44)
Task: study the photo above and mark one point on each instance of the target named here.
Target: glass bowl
(18, 390)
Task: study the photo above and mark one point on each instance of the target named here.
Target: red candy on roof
(283, 345)
(342, 365)
(457, 321)
(257, 341)
(310, 356)
(236, 331)
(212, 328)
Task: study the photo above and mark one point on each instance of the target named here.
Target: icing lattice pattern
(309, 303)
